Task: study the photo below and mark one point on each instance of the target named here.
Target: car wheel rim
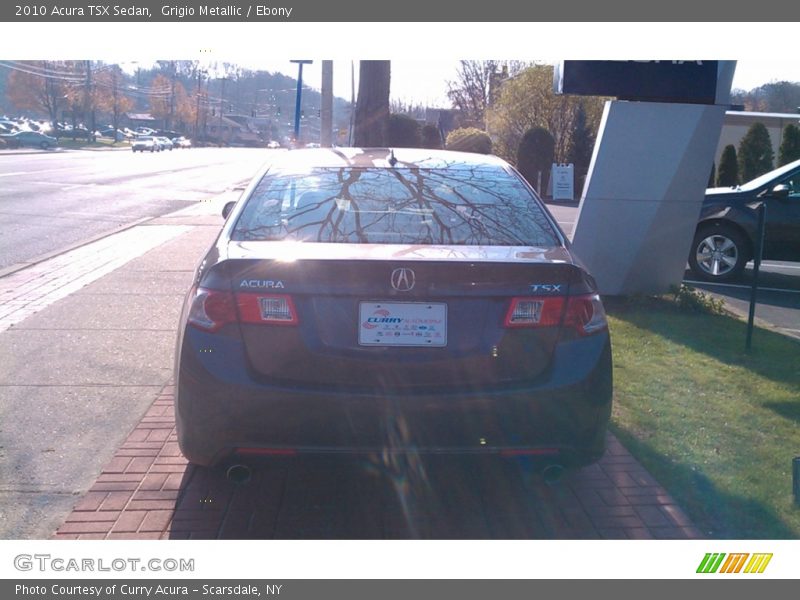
(717, 255)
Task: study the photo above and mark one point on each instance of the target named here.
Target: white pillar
(643, 194)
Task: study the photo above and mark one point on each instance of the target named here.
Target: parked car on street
(116, 134)
(29, 138)
(727, 230)
(388, 302)
(145, 143)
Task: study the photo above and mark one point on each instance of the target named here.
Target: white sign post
(562, 178)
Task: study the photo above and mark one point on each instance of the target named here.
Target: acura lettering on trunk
(428, 288)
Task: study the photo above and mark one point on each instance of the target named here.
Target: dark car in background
(32, 139)
(727, 230)
(392, 301)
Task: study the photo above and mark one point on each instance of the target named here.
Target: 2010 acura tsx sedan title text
(392, 301)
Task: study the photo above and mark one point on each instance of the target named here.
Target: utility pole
(221, 104)
(197, 110)
(298, 96)
(87, 102)
(172, 96)
(326, 113)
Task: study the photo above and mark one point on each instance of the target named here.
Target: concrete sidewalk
(86, 344)
(88, 442)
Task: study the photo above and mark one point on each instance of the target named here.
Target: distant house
(134, 120)
(736, 124)
(223, 129)
(232, 129)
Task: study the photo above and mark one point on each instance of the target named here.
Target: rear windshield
(470, 207)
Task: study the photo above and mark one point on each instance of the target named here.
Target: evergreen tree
(790, 145)
(755, 152)
(728, 173)
(581, 146)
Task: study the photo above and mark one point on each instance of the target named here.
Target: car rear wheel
(719, 253)
(44, 145)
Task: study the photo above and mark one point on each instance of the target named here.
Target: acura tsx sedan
(377, 300)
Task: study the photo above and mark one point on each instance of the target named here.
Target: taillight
(212, 309)
(266, 309)
(537, 311)
(584, 314)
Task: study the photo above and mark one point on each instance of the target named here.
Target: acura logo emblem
(403, 280)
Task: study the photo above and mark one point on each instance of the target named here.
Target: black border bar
(399, 11)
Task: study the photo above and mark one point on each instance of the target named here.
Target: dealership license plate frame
(415, 330)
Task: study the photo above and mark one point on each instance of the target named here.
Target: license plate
(402, 324)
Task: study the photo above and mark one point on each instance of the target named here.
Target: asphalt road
(778, 298)
(52, 200)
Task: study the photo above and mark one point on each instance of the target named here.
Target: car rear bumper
(221, 411)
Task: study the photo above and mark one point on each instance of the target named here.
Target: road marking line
(741, 287)
(77, 185)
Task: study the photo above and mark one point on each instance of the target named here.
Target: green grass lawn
(717, 427)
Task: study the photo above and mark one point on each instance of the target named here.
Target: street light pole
(300, 64)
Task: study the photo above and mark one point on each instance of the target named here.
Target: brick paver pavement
(148, 491)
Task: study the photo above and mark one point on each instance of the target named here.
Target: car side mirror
(226, 210)
(780, 191)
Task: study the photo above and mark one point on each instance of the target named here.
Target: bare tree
(372, 108)
(111, 95)
(39, 86)
(470, 91)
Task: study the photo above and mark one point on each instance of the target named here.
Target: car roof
(380, 157)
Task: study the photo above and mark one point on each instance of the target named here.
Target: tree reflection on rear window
(467, 206)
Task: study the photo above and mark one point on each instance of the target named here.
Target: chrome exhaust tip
(239, 474)
(552, 473)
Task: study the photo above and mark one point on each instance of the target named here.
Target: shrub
(469, 139)
(689, 299)
(431, 137)
(403, 131)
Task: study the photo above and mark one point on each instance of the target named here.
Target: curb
(58, 150)
(43, 257)
(758, 322)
